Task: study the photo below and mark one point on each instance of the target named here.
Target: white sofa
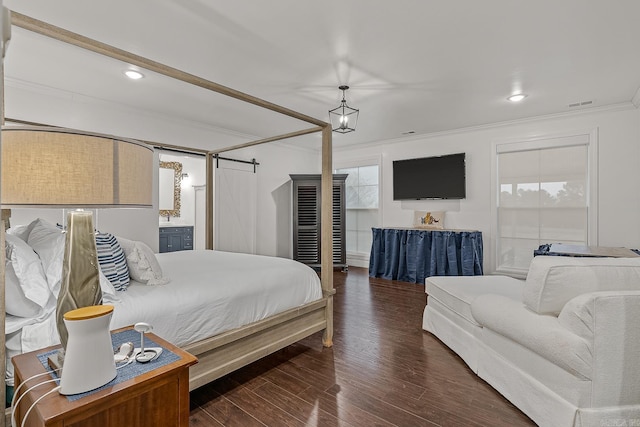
(563, 346)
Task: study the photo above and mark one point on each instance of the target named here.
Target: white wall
(277, 161)
(618, 192)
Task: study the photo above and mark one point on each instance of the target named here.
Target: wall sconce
(185, 180)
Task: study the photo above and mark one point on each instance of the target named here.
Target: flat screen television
(439, 177)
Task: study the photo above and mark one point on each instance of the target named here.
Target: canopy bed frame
(231, 350)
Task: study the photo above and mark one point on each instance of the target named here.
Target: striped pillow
(112, 261)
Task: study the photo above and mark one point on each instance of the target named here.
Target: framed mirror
(170, 178)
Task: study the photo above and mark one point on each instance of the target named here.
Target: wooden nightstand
(156, 398)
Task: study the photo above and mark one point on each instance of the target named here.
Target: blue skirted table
(411, 255)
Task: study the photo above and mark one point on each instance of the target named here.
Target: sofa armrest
(542, 334)
(610, 322)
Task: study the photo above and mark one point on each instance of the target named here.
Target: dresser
(173, 239)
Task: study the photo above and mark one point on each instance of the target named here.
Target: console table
(411, 255)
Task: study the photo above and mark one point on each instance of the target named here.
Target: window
(362, 194)
(543, 197)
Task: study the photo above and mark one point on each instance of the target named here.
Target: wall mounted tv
(440, 177)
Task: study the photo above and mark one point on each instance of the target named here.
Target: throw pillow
(112, 261)
(142, 263)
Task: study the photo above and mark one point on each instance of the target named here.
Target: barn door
(235, 207)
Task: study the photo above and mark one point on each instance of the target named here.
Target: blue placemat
(127, 372)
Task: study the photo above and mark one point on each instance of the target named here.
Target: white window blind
(543, 197)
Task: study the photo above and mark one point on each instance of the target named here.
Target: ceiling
(413, 65)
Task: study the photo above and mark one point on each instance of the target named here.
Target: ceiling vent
(580, 104)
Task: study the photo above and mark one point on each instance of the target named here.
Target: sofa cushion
(542, 334)
(458, 292)
(553, 281)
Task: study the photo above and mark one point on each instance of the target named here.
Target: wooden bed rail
(226, 352)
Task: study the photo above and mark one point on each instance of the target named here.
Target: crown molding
(497, 125)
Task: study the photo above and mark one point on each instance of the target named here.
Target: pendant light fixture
(343, 118)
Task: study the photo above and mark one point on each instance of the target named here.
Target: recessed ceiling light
(133, 74)
(517, 97)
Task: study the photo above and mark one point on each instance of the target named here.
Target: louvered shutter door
(307, 223)
(307, 243)
(338, 225)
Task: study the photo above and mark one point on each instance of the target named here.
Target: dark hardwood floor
(383, 370)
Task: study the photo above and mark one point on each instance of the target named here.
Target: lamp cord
(15, 403)
(33, 405)
(17, 389)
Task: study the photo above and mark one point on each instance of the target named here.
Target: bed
(228, 350)
(229, 309)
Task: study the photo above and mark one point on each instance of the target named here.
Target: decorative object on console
(431, 220)
(343, 118)
(56, 167)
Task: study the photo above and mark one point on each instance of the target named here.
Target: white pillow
(554, 280)
(48, 242)
(26, 288)
(22, 231)
(142, 263)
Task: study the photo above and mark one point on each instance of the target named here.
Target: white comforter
(210, 292)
